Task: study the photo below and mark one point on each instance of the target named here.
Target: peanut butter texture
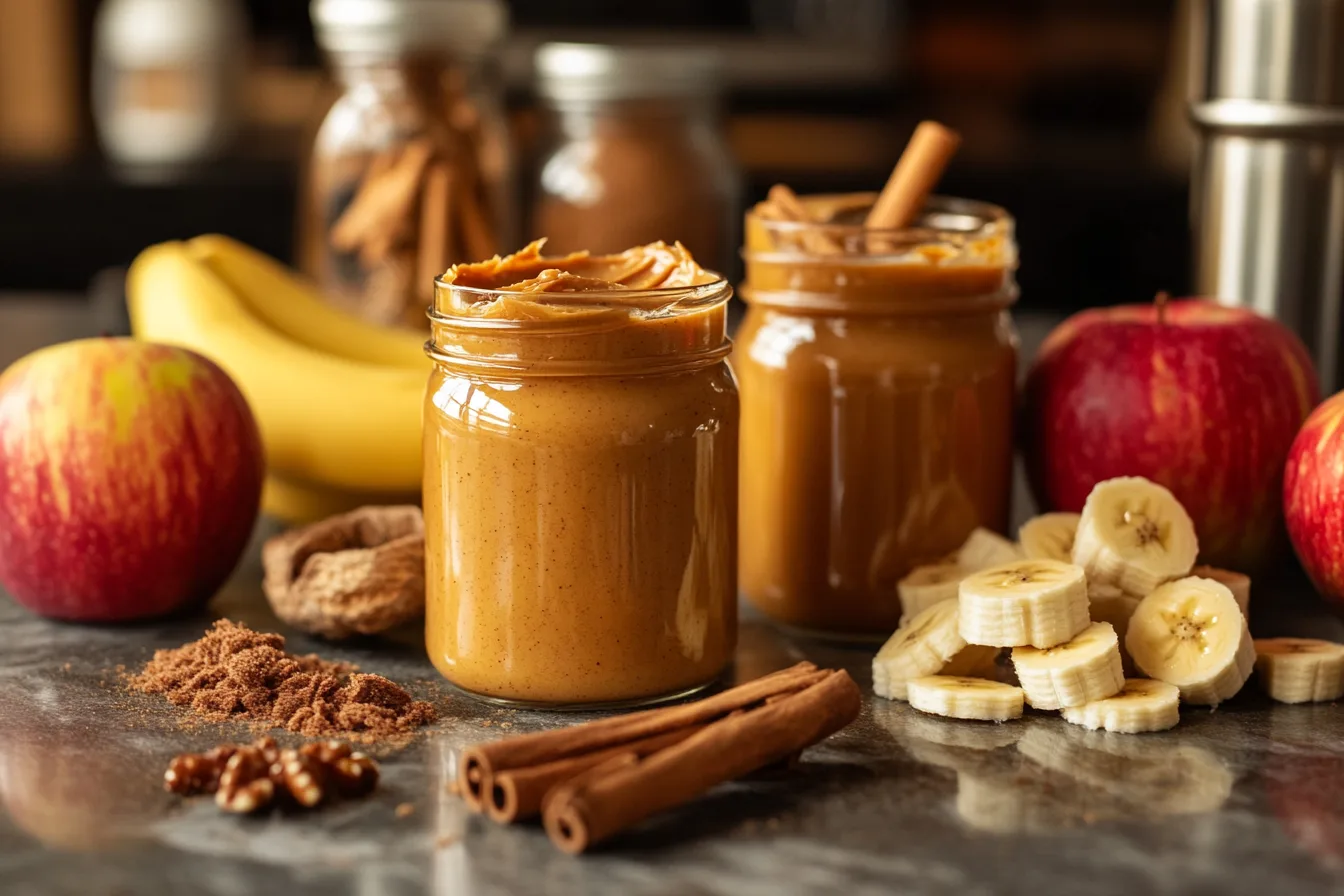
(581, 528)
(877, 396)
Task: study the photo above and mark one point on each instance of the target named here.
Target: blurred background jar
(166, 77)
(635, 152)
(411, 169)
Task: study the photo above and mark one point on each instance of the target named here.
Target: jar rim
(601, 309)
(946, 220)
(958, 258)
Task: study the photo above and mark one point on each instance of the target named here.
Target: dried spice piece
(248, 778)
(359, 573)
(236, 673)
(245, 785)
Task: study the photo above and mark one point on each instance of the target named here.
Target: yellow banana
(298, 503)
(295, 308)
(324, 419)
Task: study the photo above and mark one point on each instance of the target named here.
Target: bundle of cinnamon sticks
(925, 157)
(423, 204)
(594, 780)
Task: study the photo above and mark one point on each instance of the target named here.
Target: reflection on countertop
(1244, 799)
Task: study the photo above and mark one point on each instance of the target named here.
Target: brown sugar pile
(235, 673)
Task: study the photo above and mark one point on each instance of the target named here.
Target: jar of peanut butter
(877, 379)
(580, 484)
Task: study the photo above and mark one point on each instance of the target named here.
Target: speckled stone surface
(1247, 799)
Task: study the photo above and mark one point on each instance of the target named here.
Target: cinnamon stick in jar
(916, 173)
(627, 789)
(791, 208)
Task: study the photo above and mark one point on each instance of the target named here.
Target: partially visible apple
(130, 475)
(1313, 496)
(1199, 397)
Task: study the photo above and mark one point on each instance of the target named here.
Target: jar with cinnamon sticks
(634, 153)
(411, 169)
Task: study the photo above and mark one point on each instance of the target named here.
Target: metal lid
(571, 72)
(390, 26)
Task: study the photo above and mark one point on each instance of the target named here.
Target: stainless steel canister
(1267, 194)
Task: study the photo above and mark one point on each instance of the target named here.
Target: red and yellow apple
(1199, 397)
(130, 475)
(1313, 496)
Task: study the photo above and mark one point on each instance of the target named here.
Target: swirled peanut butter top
(644, 302)
(654, 266)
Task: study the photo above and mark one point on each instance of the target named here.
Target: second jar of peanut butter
(877, 379)
(580, 485)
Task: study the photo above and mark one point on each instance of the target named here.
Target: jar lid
(579, 72)
(390, 26)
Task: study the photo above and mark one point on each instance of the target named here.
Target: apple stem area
(1160, 300)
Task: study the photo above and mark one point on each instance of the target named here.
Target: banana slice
(984, 549)
(1300, 670)
(1049, 536)
(1191, 633)
(958, 697)
(1030, 603)
(1079, 671)
(921, 647)
(1238, 583)
(1141, 705)
(1135, 535)
(926, 586)
(1109, 604)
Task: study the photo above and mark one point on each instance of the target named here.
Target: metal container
(1267, 194)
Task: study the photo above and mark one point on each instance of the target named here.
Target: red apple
(1199, 397)
(1313, 496)
(130, 475)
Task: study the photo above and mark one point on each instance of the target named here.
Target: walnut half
(359, 573)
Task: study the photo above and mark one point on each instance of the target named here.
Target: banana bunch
(338, 400)
(1107, 618)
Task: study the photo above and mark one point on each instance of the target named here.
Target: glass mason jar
(877, 377)
(411, 169)
(635, 152)
(580, 495)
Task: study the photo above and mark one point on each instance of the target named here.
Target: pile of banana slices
(1102, 615)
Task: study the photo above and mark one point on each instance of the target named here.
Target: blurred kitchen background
(125, 122)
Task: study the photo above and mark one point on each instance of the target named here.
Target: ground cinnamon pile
(235, 673)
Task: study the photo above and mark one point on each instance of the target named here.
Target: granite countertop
(1245, 799)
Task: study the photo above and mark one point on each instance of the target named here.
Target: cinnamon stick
(381, 209)
(481, 762)
(436, 229)
(520, 793)
(625, 791)
(930, 148)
